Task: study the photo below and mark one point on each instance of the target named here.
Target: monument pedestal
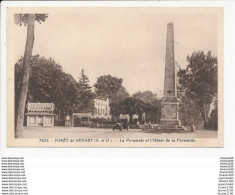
(169, 118)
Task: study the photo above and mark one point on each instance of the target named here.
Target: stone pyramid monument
(169, 102)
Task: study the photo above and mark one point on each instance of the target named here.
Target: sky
(128, 43)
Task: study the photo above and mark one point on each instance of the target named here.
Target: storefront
(40, 114)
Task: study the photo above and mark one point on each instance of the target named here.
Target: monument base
(169, 119)
(171, 124)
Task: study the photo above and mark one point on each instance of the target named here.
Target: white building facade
(101, 108)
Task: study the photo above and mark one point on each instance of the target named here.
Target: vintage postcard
(115, 77)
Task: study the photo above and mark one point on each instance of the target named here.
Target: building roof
(100, 98)
(39, 114)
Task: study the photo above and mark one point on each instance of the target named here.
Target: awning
(39, 114)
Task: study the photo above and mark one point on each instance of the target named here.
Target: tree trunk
(206, 108)
(25, 76)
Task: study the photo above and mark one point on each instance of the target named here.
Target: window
(48, 120)
(32, 119)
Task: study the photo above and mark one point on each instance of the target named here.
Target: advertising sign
(40, 107)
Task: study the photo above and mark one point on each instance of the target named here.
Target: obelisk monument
(169, 102)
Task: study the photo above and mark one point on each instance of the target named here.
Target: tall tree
(86, 95)
(49, 83)
(107, 86)
(29, 20)
(199, 81)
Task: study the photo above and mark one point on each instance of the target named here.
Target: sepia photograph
(115, 77)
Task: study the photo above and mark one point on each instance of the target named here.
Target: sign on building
(40, 107)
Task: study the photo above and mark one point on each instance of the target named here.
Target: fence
(102, 125)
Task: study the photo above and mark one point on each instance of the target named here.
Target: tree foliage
(133, 106)
(49, 83)
(86, 95)
(199, 79)
(189, 112)
(107, 86)
(22, 19)
(146, 96)
(198, 82)
(120, 95)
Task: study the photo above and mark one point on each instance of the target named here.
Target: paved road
(86, 132)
